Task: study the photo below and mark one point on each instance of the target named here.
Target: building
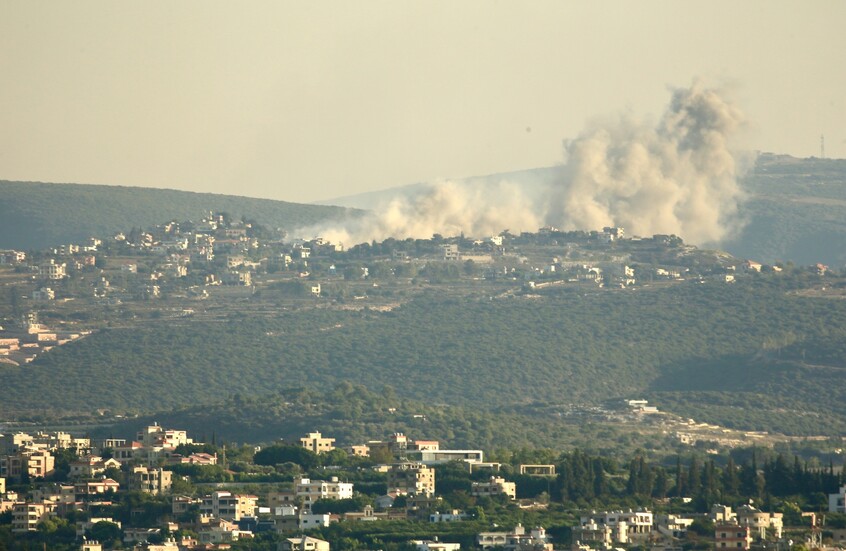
(53, 270)
(228, 506)
(614, 526)
(759, 522)
(731, 535)
(437, 457)
(411, 478)
(312, 490)
(537, 470)
(315, 442)
(837, 502)
(303, 543)
(150, 480)
(95, 487)
(429, 545)
(34, 463)
(26, 516)
(494, 487)
(91, 466)
(516, 540)
(155, 435)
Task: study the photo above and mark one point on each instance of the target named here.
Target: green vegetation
(708, 348)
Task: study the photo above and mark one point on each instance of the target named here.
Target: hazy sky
(305, 101)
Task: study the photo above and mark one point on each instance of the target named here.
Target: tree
(105, 532)
(274, 455)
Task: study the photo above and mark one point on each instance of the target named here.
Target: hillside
(749, 344)
(795, 209)
(37, 215)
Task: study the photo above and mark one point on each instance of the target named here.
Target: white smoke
(677, 177)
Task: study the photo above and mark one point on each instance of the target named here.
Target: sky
(305, 101)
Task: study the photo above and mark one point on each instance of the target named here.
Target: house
(96, 487)
(430, 545)
(516, 540)
(614, 526)
(217, 530)
(52, 270)
(450, 251)
(837, 502)
(155, 435)
(760, 522)
(303, 543)
(44, 294)
(32, 462)
(150, 480)
(312, 490)
(26, 516)
(315, 442)
(732, 535)
(228, 506)
(411, 478)
(91, 466)
(495, 486)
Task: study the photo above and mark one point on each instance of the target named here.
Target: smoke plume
(677, 177)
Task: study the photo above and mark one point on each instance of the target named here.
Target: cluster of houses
(22, 343)
(220, 251)
(219, 517)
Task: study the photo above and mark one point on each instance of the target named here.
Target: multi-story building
(311, 490)
(494, 487)
(614, 526)
(53, 270)
(26, 516)
(150, 480)
(837, 502)
(411, 478)
(732, 536)
(91, 466)
(760, 522)
(35, 463)
(229, 506)
(155, 435)
(315, 442)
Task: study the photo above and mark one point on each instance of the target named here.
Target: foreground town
(161, 490)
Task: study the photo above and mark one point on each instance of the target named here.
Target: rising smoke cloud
(677, 177)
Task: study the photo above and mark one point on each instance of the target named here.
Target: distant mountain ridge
(35, 215)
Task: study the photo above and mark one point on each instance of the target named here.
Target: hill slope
(751, 342)
(37, 215)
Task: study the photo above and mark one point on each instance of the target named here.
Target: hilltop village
(208, 269)
(161, 490)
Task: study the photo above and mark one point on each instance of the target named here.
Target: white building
(312, 490)
(837, 502)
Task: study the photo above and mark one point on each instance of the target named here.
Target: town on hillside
(215, 266)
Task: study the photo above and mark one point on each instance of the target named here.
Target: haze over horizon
(305, 102)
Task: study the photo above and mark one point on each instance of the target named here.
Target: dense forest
(753, 354)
